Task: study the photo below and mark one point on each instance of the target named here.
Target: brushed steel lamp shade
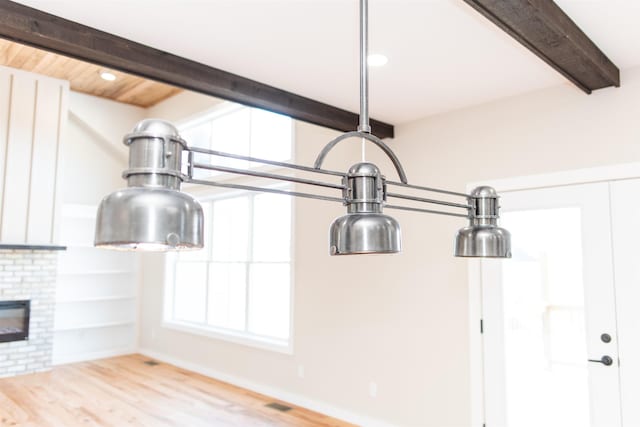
(364, 233)
(364, 229)
(151, 219)
(152, 213)
(483, 238)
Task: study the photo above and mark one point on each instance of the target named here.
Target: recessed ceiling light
(377, 60)
(106, 75)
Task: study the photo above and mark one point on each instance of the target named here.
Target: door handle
(606, 360)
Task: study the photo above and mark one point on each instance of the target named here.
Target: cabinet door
(551, 309)
(32, 116)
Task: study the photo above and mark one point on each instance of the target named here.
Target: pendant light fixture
(483, 237)
(153, 214)
(364, 229)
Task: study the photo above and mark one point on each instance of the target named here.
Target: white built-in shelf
(95, 299)
(93, 272)
(93, 326)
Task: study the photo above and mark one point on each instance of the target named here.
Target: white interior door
(549, 310)
(625, 212)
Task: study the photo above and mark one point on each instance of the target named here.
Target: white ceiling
(442, 54)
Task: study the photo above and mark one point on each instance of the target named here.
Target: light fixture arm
(192, 166)
(369, 137)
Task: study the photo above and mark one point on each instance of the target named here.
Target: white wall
(183, 106)
(93, 154)
(402, 320)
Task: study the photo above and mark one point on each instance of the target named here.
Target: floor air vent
(278, 407)
(151, 362)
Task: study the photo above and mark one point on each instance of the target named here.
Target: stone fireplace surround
(28, 272)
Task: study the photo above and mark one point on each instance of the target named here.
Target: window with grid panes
(239, 285)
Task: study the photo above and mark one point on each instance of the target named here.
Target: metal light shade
(151, 219)
(483, 238)
(483, 241)
(363, 233)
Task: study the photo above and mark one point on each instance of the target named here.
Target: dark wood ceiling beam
(45, 31)
(543, 28)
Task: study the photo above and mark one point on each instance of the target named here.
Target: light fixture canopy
(483, 238)
(152, 213)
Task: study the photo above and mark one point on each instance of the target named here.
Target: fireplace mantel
(27, 247)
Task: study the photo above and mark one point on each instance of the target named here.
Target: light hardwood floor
(124, 391)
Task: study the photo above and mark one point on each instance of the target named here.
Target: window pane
(231, 134)
(198, 136)
(230, 229)
(271, 227)
(269, 300)
(270, 135)
(227, 294)
(190, 291)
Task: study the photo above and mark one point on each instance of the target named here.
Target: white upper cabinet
(33, 112)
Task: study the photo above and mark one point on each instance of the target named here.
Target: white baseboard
(84, 357)
(286, 396)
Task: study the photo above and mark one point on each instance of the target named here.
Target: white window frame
(220, 110)
(231, 335)
(206, 194)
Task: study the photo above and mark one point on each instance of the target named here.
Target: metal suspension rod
(433, 201)
(267, 175)
(364, 72)
(435, 190)
(263, 161)
(264, 190)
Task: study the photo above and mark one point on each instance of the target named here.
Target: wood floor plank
(124, 391)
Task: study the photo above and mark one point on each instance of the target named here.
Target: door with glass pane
(551, 309)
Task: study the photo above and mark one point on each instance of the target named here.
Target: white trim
(83, 357)
(553, 179)
(571, 177)
(476, 353)
(94, 326)
(277, 393)
(242, 338)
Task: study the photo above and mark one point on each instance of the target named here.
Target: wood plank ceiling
(85, 77)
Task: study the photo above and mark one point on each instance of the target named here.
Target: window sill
(231, 336)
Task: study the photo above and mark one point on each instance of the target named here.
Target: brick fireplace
(27, 287)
